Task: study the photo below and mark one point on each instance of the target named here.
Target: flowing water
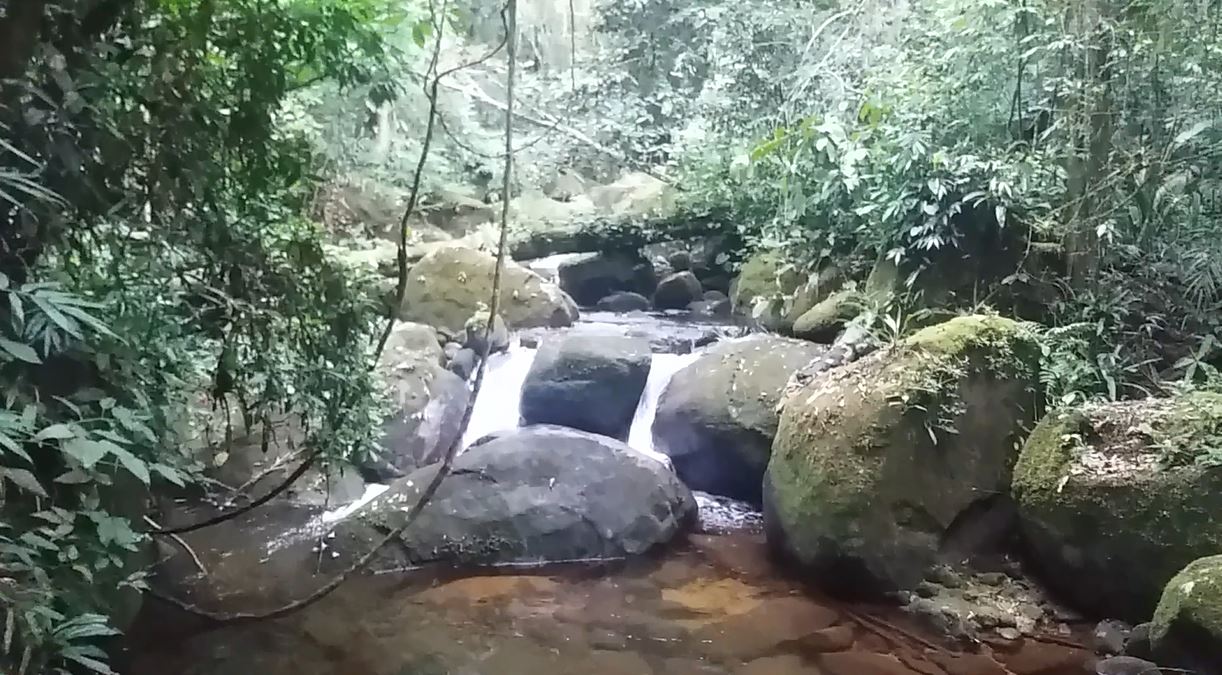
(713, 604)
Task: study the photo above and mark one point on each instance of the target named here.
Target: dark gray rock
(680, 261)
(464, 363)
(591, 278)
(677, 291)
(624, 301)
(591, 382)
(1138, 643)
(476, 330)
(1110, 637)
(645, 278)
(450, 350)
(717, 417)
(421, 432)
(538, 494)
(715, 295)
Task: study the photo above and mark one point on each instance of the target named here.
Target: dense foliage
(159, 280)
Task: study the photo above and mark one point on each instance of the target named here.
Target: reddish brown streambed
(713, 606)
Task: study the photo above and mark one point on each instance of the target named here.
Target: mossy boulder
(827, 318)
(452, 283)
(717, 417)
(765, 275)
(1187, 626)
(874, 462)
(1113, 502)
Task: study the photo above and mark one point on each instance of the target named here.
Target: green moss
(873, 461)
(826, 318)
(1104, 514)
(1189, 614)
(763, 275)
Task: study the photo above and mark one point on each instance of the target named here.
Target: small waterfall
(661, 370)
(496, 409)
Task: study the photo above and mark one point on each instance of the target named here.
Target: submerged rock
(677, 291)
(1112, 502)
(717, 417)
(476, 330)
(538, 494)
(1187, 627)
(452, 283)
(587, 381)
(874, 462)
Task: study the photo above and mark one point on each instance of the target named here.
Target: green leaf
(67, 325)
(19, 351)
(1190, 133)
(89, 452)
(55, 431)
(169, 473)
(132, 463)
(14, 447)
(24, 480)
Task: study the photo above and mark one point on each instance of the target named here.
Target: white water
(661, 370)
(496, 408)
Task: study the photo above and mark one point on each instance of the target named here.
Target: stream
(713, 604)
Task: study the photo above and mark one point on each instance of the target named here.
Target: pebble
(1009, 633)
(1125, 665)
(1109, 637)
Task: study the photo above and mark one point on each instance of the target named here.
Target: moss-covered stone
(823, 321)
(765, 274)
(451, 284)
(874, 461)
(1112, 502)
(1187, 625)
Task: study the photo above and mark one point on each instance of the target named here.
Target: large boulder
(677, 291)
(875, 461)
(717, 417)
(586, 381)
(427, 403)
(1187, 627)
(593, 277)
(1113, 500)
(538, 494)
(452, 283)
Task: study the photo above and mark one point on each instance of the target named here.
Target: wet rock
(833, 639)
(428, 403)
(714, 296)
(677, 291)
(1186, 630)
(1107, 520)
(945, 575)
(717, 417)
(1109, 637)
(452, 283)
(875, 461)
(588, 382)
(593, 277)
(762, 630)
(451, 350)
(624, 301)
(535, 495)
(476, 329)
(464, 363)
(645, 278)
